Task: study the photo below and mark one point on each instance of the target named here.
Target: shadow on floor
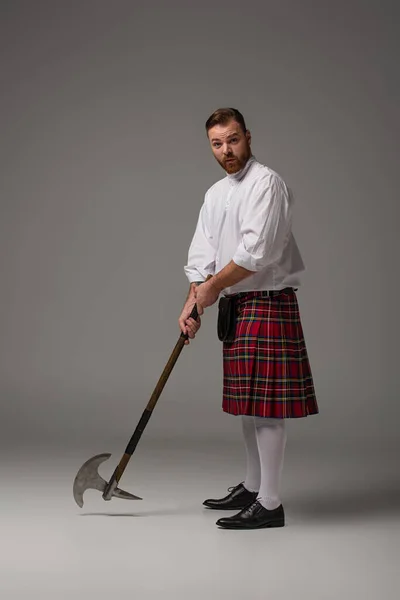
(339, 504)
(158, 512)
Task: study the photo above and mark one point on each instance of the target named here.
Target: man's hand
(189, 326)
(205, 295)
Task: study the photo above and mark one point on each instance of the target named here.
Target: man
(244, 240)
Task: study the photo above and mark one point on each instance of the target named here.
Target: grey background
(104, 166)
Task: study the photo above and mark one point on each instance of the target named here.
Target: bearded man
(244, 241)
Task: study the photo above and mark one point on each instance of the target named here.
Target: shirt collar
(235, 178)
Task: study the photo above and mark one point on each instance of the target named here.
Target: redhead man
(244, 239)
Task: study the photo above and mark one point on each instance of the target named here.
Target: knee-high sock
(253, 468)
(271, 441)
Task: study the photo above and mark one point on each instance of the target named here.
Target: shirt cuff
(193, 274)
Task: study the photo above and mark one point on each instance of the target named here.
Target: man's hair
(223, 116)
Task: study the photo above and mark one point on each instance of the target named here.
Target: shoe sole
(230, 507)
(225, 507)
(269, 525)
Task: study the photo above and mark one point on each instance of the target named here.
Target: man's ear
(248, 136)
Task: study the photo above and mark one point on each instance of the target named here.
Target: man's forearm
(191, 289)
(229, 275)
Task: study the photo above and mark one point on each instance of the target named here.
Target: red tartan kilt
(266, 370)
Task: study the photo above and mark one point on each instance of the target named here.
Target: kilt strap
(262, 293)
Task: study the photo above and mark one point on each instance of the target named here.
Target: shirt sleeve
(266, 225)
(201, 255)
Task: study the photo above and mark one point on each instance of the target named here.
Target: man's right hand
(189, 325)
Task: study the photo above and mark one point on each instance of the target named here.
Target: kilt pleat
(266, 369)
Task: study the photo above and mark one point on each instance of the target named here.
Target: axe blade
(88, 477)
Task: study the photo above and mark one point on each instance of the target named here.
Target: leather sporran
(226, 326)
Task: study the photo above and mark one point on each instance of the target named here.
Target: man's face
(230, 146)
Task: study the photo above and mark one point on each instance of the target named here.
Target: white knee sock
(271, 441)
(253, 468)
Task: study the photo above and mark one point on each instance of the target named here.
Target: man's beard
(235, 165)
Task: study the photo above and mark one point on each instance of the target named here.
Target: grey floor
(342, 537)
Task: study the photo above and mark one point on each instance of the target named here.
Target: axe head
(88, 478)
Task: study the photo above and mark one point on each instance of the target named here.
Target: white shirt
(247, 217)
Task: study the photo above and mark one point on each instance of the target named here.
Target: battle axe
(88, 476)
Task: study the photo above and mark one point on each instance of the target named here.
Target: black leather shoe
(254, 516)
(238, 498)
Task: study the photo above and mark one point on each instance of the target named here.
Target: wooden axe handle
(116, 476)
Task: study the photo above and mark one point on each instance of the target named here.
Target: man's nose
(226, 149)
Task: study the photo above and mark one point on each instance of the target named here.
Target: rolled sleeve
(244, 259)
(201, 255)
(266, 225)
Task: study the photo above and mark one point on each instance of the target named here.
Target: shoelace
(249, 509)
(234, 487)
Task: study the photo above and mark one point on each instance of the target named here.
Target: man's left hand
(206, 294)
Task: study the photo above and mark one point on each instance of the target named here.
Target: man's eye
(234, 140)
